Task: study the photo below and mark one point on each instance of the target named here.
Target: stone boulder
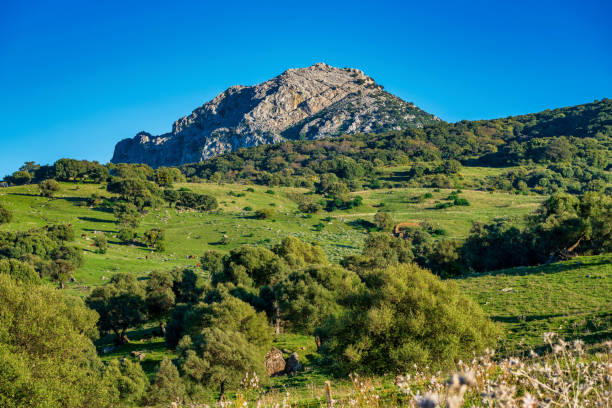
(293, 364)
(274, 362)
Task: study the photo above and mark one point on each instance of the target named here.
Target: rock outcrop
(274, 362)
(308, 103)
(293, 364)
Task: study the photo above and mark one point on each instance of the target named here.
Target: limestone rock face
(307, 103)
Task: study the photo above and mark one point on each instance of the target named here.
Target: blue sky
(78, 76)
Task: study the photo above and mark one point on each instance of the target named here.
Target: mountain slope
(308, 103)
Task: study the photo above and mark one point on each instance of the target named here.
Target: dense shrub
(264, 213)
(120, 304)
(6, 215)
(46, 356)
(406, 316)
(20, 271)
(307, 297)
(155, 238)
(48, 187)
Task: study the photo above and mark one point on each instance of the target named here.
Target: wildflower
(579, 346)
(529, 401)
(548, 336)
(558, 348)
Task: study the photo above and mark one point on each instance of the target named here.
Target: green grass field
(190, 233)
(573, 298)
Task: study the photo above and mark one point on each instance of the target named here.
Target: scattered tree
(48, 188)
(120, 304)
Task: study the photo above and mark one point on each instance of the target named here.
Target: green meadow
(573, 298)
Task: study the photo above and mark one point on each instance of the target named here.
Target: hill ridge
(315, 102)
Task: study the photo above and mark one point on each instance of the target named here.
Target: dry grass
(566, 376)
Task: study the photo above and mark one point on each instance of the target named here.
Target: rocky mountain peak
(308, 103)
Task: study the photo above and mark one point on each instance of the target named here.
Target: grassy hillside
(191, 233)
(573, 298)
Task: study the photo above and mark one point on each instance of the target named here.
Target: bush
(126, 234)
(461, 202)
(406, 316)
(101, 243)
(264, 213)
(46, 356)
(155, 238)
(61, 233)
(309, 208)
(6, 215)
(128, 378)
(20, 271)
(48, 188)
(167, 385)
(383, 221)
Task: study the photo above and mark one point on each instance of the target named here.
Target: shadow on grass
(107, 231)
(91, 219)
(526, 318)
(548, 269)
(361, 224)
(103, 209)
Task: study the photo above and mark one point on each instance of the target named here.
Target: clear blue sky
(78, 76)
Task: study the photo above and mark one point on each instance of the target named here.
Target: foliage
(264, 213)
(307, 297)
(139, 192)
(383, 221)
(120, 304)
(46, 356)
(218, 358)
(61, 232)
(5, 215)
(128, 217)
(160, 297)
(128, 379)
(48, 187)
(60, 270)
(20, 271)
(188, 199)
(406, 316)
(167, 385)
(155, 238)
(101, 243)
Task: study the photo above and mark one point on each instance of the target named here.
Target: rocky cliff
(307, 103)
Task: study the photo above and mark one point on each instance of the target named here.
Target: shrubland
(391, 258)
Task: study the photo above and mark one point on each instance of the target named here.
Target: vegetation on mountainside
(191, 283)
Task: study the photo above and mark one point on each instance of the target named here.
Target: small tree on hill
(219, 359)
(383, 221)
(155, 238)
(101, 243)
(128, 378)
(406, 316)
(167, 385)
(61, 271)
(120, 304)
(48, 188)
(20, 177)
(6, 215)
(160, 297)
(61, 233)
